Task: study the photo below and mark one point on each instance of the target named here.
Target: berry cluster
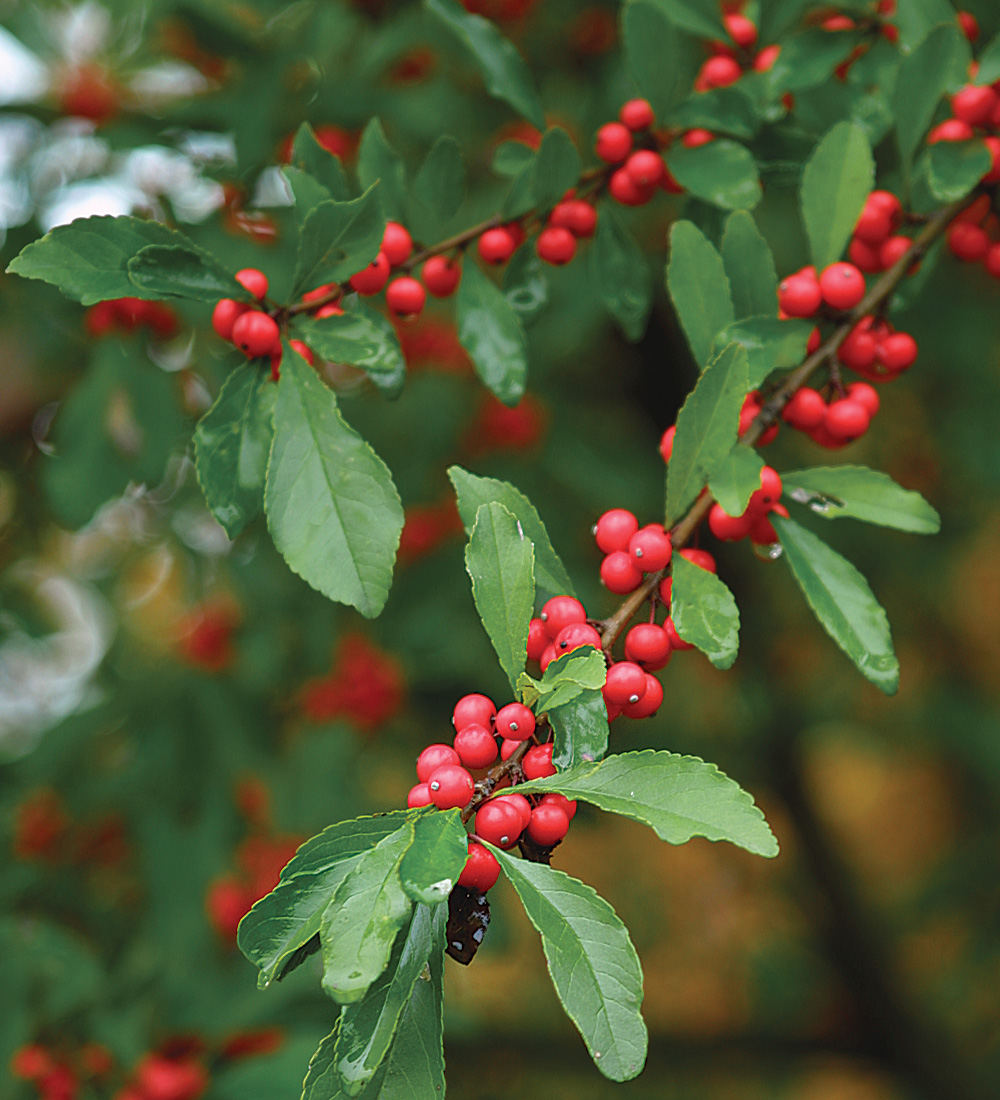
(730, 60)
(128, 314)
(973, 236)
(60, 1074)
(365, 683)
(570, 220)
(841, 286)
(638, 172)
(45, 831)
(838, 422)
(630, 551)
(752, 523)
(876, 245)
(259, 860)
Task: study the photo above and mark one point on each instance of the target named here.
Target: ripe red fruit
(875, 224)
(645, 168)
(763, 533)
(555, 245)
(975, 104)
(897, 351)
(650, 548)
(548, 825)
(894, 249)
(769, 492)
(397, 244)
(847, 419)
(508, 748)
(860, 346)
(693, 139)
(579, 217)
(225, 315)
(559, 611)
(842, 285)
(702, 558)
(648, 645)
(538, 639)
(405, 297)
(622, 188)
(473, 709)
(992, 261)
(626, 683)
(537, 762)
(496, 246)
(160, 1078)
(441, 276)
(520, 804)
(667, 443)
(551, 654)
(434, 757)
(865, 395)
(576, 635)
(614, 529)
(254, 281)
(619, 573)
(418, 795)
(637, 114)
(676, 641)
(726, 527)
(614, 142)
(650, 702)
(993, 144)
(304, 350)
(370, 280)
(805, 409)
(499, 823)
(719, 72)
(451, 786)
(969, 24)
(481, 869)
(515, 722)
(255, 333)
(476, 746)
(865, 257)
(800, 295)
(969, 243)
(30, 1062)
(60, 1083)
(567, 805)
(742, 31)
(764, 61)
(952, 129)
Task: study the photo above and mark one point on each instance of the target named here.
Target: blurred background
(177, 712)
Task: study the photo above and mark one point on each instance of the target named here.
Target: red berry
(650, 702)
(676, 641)
(650, 549)
(304, 350)
(614, 142)
(952, 129)
(968, 242)
(645, 168)
(537, 762)
(496, 246)
(508, 748)
(694, 139)
(441, 276)
(719, 72)
(481, 869)
(520, 804)
(864, 395)
(576, 635)
(860, 346)
(419, 795)
(370, 280)
(888, 202)
(875, 224)
(805, 409)
(476, 746)
(551, 654)
(897, 352)
(726, 527)
(648, 645)
(969, 25)
(499, 823)
(975, 104)
(567, 805)
(702, 558)
(619, 573)
(800, 295)
(579, 217)
(847, 419)
(405, 297)
(30, 1062)
(894, 249)
(548, 825)
(637, 114)
(255, 333)
(451, 786)
(764, 61)
(515, 722)
(434, 757)
(538, 639)
(253, 280)
(741, 30)
(769, 492)
(473, 709)
(225, 315)
(559, 612)
(992, 261)
(667, 443)
(626, 683)
(160, 1078)
(614, 529)
(622, 188)
(842, 285)
(763, 533)
(61, 1083)
(555, 245)
(397, 244)
(866, 257)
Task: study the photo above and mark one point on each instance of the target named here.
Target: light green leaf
(651, 53)
(471, 491)
(861, 493)
(679, 797)
(924, 77)
(836, 181)
(172, 271)
(723, 173)
(736, 478)
(379, 163)
(564, 679)
(704, 612)
(231, 446)
(440, 183)
(332, 509)
(749, 267)
(699, 288)
(338, 239)
(770, 344)
(954, 168)
(491, 332)
(842, 602)
(580, 730)
(555, 169)
(591, 960)
(621, 276)
(435, 859)
(707, 428)
(500, 560)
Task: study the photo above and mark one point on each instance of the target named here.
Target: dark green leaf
(842, 602)
(519, 200)
(339, 239)
(693, 16)
(591, 960)
(915, 18)
(704, 612)
(706, 428)
(310, 157)
(736, 478)
(556, 168)
(749, 266)
(621, 274)
(989, 62)
(440, 183)
(651, 53)
(504, 70)
(525, 284)
(500, 560)
(511, 158)
(435, 859)
(232, 443)
(698, 288)
(861, 493)
(307, 192)
(332, 509)
(679, 797)
(836, 181)
(171, 271)
(564, 679)
(379, 163)
(721, 110)
(808, 60)
(956, 167)
(722, 173)
(770, 344)
(491, 332)
(924, 77)
(580, 730)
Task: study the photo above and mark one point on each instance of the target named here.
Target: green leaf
(808, 60)
(620, 273)
(338, 239)
(956, 167)
(842, 602)
(678, 797)
(989, 62)
(699, 288)
(491, 332)
(915, 18)
(332, 509)
(360, 923)
(310, 157)
(924, 77)
(471, 492)
(706, 428)
(171, 271)
(564, 679)
(693, 16)
(591, 960)
(723, 173)
(440, 183)
(704, 611)
(721, 110)
(555, 169)
(519, 200)
(836, 181)
(435, 859)
(379, 163)
(511, 158)
(360, 336)
(307, 192)
(289, 916)
(651, 54)
(770, 344)
(232, 443)
(504, 70)
(860, 493)
(88, 259)
(525, 284)
(736, 478)
(500, 560)
(749, 267)
(580, 729)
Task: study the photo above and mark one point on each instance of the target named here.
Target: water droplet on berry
(633, 698)
(513, 727)
(769, 551)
